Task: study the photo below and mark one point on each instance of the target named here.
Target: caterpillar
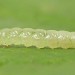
(39, 38)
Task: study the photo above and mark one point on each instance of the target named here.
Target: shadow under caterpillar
(37, 37)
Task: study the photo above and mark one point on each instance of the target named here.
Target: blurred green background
(45, 14)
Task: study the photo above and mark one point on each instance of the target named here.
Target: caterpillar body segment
(26, 37)
(37, 37)
(72, 38)
(51, 39)
(64, 39)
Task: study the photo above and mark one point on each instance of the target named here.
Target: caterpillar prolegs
(37, 37)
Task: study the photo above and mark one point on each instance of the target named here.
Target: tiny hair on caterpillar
(39, 38)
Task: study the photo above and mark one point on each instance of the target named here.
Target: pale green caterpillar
(37, 37)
